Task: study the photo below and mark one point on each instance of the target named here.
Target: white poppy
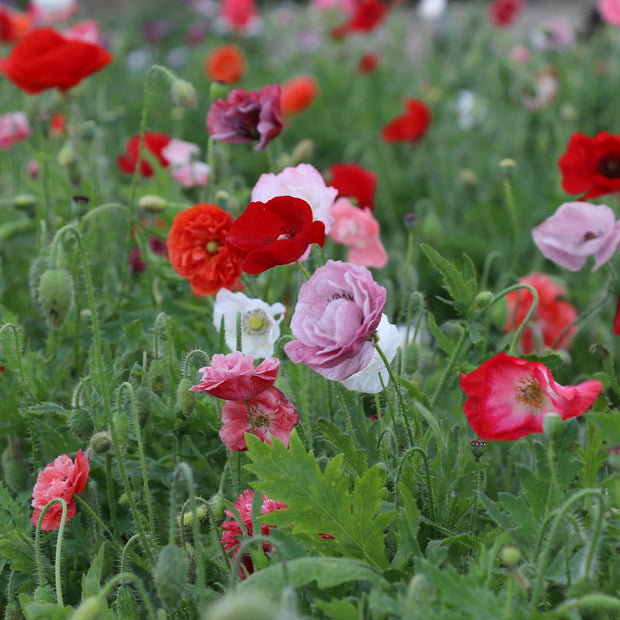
(431, 10)
(260, 322)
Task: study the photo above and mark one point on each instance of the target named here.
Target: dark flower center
(609, 165)
(261, 419)
(529, 392)
(588, 237)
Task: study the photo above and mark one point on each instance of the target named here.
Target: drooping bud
(483, 299)
(157, 376)
(170, 575)
(186, 399)
(478, 448)
(55, 296)
(613, 456)
(66, 156)
(81, 423)
(184, 94)
(143, 403)
(101, 443)
(469, 178)
(152, 203)
(187, 519)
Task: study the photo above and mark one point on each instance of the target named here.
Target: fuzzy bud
(143, 402)
(217, 506)
(170, 575)
(55, 296)
(478, 448)
(157, 376)
(419, 590)
(483, 299)
(38, 267)
(185, 398)
(184, 94)
(79, 205)
(101, 443)
(91, 609)
(25, 202)
(121, 425)
(303, 151)
(187, 519)
(510, 555)
(125, 603)
(508, 165)
(152, 203)
(81, 423)
(67, 156)
(469, 178)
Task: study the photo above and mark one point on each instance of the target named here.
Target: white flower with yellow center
(260, 322)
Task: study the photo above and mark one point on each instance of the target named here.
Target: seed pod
(81, 424)
(101, 443)
(55, 296)
(170, 575)
(143, 403)
(157, 376)
(152, 203)
(125, 603)
(186, 399)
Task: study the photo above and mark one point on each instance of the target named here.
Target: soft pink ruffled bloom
(179, 152)
(14, 127)
(52, 11)
(575, 231)
(61, 478)
(508, 397)
(246, 117)
(609, 10)
(545, 88)
(305, 182)
(273, 415)
(338, 310)
(358, 229)
(86, 31)
(233, 376)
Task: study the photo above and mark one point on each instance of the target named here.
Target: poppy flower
(367, 15)
(225, 64)
(297, 94)
(552, 317)
(617, 319)
(503, 12)
(13, 24)
(508, 397)
(14, 127)
(273, 415)
(48, 11)
(238, 15)
(61, 478)
(277, 232)
(197, 249)
(44, 59)
(411, 125)
(369, 62)
(353, 181)
(232, 536)
(234, 377)
(591, 165)
(609, 10)
(155, 144)
(246, 117)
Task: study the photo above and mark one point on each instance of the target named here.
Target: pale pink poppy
(52, 11)
(578, 230)
(545, 89)
(239, 15)
(346, 7)
(233, 376)
(194, 174)
(273, 415)
(609, 10)
(179, 152)
(85, 31)
(14, 127)
(520, 54)
(358, 229)
(554, 33)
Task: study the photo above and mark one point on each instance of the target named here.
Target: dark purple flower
(245, 117)
(158, 246)
(136, 262)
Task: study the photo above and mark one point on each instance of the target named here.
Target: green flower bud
(79, 205)
(469, 178)
(55, 296)
(125, 603)
(143, 402)
(303, 151)
(157, 376)
(184, 94)
(218, 91)
(25, 202)
(91, 609)
(217, 506)
(552, 424)
(478, 448)
(419, 590)
(187, 520)
(483, 299)
(432, 228)
(38, 267)
(101, 443)
(508, 166)
(186, 399)
(67, 156)
(510, 555)
(152, 203)
(170, 575)
(81, 423)
(613, 456)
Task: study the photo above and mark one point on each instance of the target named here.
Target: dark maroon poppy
(411, 125)
(503, 12)
(276, 232)
(246, 117)
(353, 181)
(154, 143)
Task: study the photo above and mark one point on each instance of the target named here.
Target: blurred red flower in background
(240, 15)
(411, 125)
(154, 143)
(367, 15)
(225, 64)
(503, 12)
(297, 94)
(13, 24)
(369, 62)
(353, 181)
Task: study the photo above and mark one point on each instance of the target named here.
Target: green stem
(110, 490)
(507, 187)
(138, 585)
(429, 486)
(303, 270)
(449, 367)
(241, 552)
(202, 359)
(346, 413)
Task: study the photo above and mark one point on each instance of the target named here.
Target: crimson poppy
(276, 232)
(367, 15)
(44, 59)
(411, 125)
(13, 24)
(154, 143)
(617, 319)
(353, 181)
(503, 12)
(591, 165)
(369, 62)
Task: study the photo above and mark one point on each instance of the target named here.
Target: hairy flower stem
(510, 203)
(110, 490)
(303, 270)
(99, 375)
(346, 413)
(198, 357)
(477, 490)
(172, 367)
(406, 267)
(449, 367)
(247, 406)
(427, 472)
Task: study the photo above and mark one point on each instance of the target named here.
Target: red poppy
(411, 125)
(13, 24)
(591, 165)
(197, 249)
(353, 181)
(552, 317)
(297, 94)
(154, 142)
(273, 233)
(503, 12)
(61, 478)
(43, 59)
(239, 15)
(617, 319)
(225, 64)
(508, 397)
(367, 15)
(369, 62)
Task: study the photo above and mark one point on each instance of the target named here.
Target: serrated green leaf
(408, 526)
(476, 331)
(320, 503)
(17, 547)
(35, 610)
(443, 342)
(527, 525)
(48, 409)
(415, 392)
(91, 581)
(338, 609)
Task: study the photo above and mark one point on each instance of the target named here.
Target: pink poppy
(508, 397)
(358, 229)
(609, 10)
(61, 478)
(578, 230)
(239, 15)
(338, 310)
(14, 127)
(86, 31)
(193, 174)
(273, 415)
(233, 376)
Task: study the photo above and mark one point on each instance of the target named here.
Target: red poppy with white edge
(508, 398)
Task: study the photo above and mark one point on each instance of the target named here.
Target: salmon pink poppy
(503, 12)
(410, 126)
(508, 397)
(155, 144)
(353, 181)
(591, 165)
(298, 93)
(44, 59)
(62, 478)
(276, 232)
(225, 64)
(197, 249)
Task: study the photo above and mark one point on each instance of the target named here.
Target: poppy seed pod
(170, 575)
(55, 295)
(81, 423)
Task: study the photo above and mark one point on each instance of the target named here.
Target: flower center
(589, 236)
(255, 322)
(529, 392)
(261, 419)
(212, 247)
(340, 295)
(609, 165)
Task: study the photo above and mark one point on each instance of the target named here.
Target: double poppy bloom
(44, 59)
(591, 165)
(410, 126)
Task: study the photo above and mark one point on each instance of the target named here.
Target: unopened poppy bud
(101, 443)
(483, 299)
(218, 90)
(157, 376)
(33, 169)
(55, 296)
(552, 424)
(217, 506)
(125, 603)
(478, 448)
(508, 165)
(419, 589)
(91, 609)
(613, 456)
(170, 575)
(152, 203)
(284, 161)
(66, 156)
(184, 94)
(38, 267)
(187, 519)
(186, 399)
(469, 177)
(79, 205)
(121, 426)
(144, 402)
(410, 219)
(238, 605)
(81, 423)
(25, 202)
(303, 151)
(510, 555)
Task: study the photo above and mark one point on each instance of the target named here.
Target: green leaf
(36, 610)
(91, 581)
(338, 610)
(408, 526)
(320, 503)
(17, 547)
(443, 342)
(342, 443)
(48, 408)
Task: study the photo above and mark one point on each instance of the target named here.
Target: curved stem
(346, 413)
(303, 269)
(202, 360)
(429, 488)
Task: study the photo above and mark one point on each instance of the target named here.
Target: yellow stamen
(529, 392)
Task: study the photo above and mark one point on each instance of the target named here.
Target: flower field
(309, 310)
